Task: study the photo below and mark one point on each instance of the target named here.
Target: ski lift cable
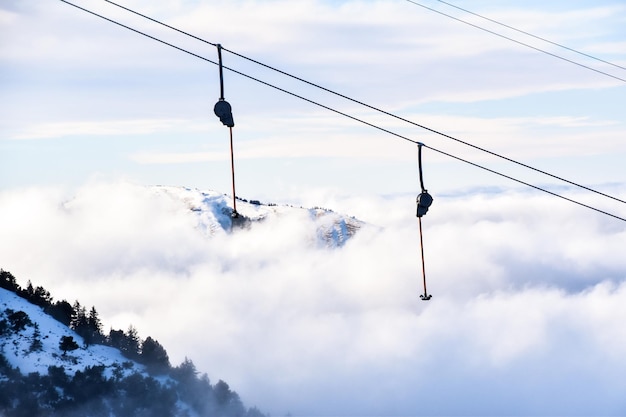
(445, 135)
(425, 296)
(519, 42)
(543, 172)
(138, 31)
(356, 118)
(533, 36)
(525, 183)
(161, 23)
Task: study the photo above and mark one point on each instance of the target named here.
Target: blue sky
(88, 99)
(527, 314)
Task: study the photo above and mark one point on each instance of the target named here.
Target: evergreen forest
(162, 390)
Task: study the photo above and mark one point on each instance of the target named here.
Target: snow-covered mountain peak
(214, 214)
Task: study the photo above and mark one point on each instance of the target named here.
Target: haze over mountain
(56, 360)
(214, 215)
(526, 315)
(50, 369)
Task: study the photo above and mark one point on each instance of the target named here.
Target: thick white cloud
(527, 312)
(526, 315)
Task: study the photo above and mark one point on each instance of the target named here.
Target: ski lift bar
(424, 201)
(224, 111)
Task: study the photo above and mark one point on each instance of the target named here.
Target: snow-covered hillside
(17, 347)
(47, 369)
(214, 214)
(34, 357)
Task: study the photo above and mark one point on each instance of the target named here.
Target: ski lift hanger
(224, 111)
(509, 177)
(424, 201)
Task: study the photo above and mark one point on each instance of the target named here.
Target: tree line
(90, 391)
(88, 326)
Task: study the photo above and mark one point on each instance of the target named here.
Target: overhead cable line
(375, 108)
(518, 42)
(531, 35)
(354, 118)
(139, 32)
(525, 183)
(161, 23)
(506, 158)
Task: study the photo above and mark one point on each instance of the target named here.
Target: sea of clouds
(526, 317)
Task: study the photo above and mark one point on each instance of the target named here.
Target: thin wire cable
(355, 118)
(138, 32)
(160, 23)
(445, 135)
(525, 183)
(532, 36)
(378, 109)
(518, 42)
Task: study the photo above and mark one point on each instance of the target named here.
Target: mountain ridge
(214, 214)
(42, 375)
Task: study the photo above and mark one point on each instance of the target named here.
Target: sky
(85, 98)
(526, 313)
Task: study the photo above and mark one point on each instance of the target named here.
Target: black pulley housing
(424, 201)
(224, 111)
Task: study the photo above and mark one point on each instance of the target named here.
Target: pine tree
(94, 321)
(30, 291)
(80, 323)
(93, 333)
(67, 343)
(116, 338)
(79, 316)
(35, 344)
(154, 356)
(18, 320)
(185, 372)
(8, 281)
(61, 311)
(130, 343)
(41, 297)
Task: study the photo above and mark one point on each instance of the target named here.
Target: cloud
(380, 45)
(527, 309)
(442, 74)
(526, 316)
(177, 157)
(100, 128)
(526, 137)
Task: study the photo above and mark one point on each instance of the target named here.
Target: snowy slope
(16, 347)
(94, 380)
(214, 211)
